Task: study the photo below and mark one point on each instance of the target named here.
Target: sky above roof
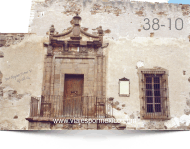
(180, 1)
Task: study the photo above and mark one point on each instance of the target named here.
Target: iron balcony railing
(75, 107)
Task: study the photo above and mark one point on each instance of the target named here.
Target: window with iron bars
(154, 94)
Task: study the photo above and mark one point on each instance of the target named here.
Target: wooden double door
(74, 103)
(73, 92)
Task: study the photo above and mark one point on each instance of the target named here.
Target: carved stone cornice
(75, 39)
(63, 34)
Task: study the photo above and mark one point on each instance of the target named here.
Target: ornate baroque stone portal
(74, 52)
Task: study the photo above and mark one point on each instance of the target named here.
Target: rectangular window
(153, 96)
(154, 93)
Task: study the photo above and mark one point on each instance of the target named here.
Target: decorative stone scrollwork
(75, 39)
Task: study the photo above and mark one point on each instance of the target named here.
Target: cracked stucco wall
(22, 72)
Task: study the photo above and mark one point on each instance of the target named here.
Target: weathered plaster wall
(122, 23)
(22, 71)
(129, 45)
(118, 18)
(171, 54)
(13, 111)
(22, 65)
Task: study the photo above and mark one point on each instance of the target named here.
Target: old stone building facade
(82, 57)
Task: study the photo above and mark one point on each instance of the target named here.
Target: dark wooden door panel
(73, 85)
(73, 91)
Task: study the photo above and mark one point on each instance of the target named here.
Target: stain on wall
(162, 13)
(185, 9)
(151, 34)
(139, 13)
(107, 31)
(1, 54)
(1, 77)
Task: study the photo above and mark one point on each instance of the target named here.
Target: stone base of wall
(89, 126)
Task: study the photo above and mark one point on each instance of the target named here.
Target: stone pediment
(76, 36)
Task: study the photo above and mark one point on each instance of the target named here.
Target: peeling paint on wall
(14, 108)
(139, 13)
(151, 34)
(97, 8)
(162, 13)
(140, 64)
(107, 31)
(71, 8)
(7, 39)
(185, 9)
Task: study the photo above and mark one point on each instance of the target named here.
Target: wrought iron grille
(75, 107)
(155, 95)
